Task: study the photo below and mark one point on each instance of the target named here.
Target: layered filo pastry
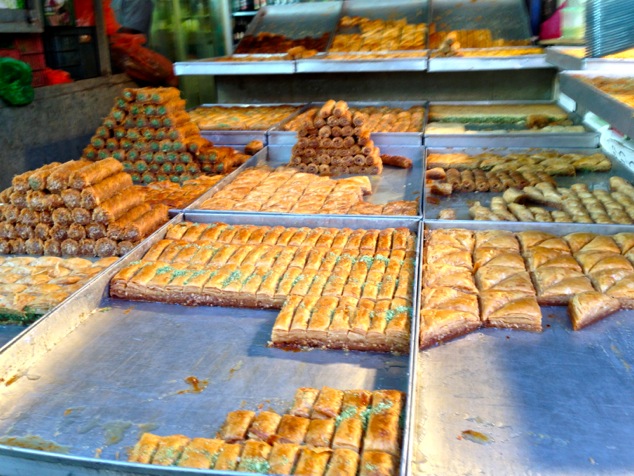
(447, 313)
(590, 307)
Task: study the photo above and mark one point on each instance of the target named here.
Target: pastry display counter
(619, 114)
(501, 124)
(506, 401)
(573, 58)
(51, 391)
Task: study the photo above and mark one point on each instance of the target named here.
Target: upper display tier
(378, 35)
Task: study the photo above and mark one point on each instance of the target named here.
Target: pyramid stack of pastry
(335, 141)
(78, 208)
(151, 134)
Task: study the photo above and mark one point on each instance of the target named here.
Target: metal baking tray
(278, 136)
(414, 11)
(507, 19)
(589, 98)
(549, 403)
(460, 201)
(7, 333)
(392, 184)
(97, 372)
(264, 64)
(243, 137)
(261, 155)
(296, 20)
(483, 135)
(487, 63)
(360, 62)
(573, 58)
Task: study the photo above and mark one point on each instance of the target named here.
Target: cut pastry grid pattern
(251, 118)
(151, 134)
(77, 208)
(379, 35)
(576, 204)
(337, 288)
(180, 195)
(334, 141)
(592, 274)
(328, 432)
(30, 287)
(287, 190)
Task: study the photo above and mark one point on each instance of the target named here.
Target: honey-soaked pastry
(292, 429)
(455, 237)
(228, 457)
(377, 463)
(200, 453)
(236, 425)
(312, 462)
(264, 426)
(624, 240)
(283, 457)
(496, 239)
(539, 257)
(449, 276)
(459, 160)
(320, 433)
(343, 462)
(169, 450)
(450, 299)
(590, 307)
(623, 290)
(555, 286)
(143, 451)
(328, 403)
(503, 278)
(584, 241)
(509, 309)
(448, 255)
(597, 261)
(440, 325)
(254, 457)
(95, 172)
(487, 256)
(530, 239)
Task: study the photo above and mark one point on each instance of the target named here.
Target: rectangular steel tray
(589, 98)
(233, 137)
(487, 63)
(512, 138)
(360, 63)
(549, 403)
(460, 201)
(392, 184)
(507, 19)
(278, 136)
(296, 20)
(572, 58)
(97, 372)
(7, 333)
(264, 64)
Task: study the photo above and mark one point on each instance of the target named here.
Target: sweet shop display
(30, 287)
(378, 35)
(482, 38)
(326, 432)
(149, 131)
(335, 141)
(498, 278)
(619, 88)
(286, 190)
(271, 43)
(379, 118)
(240, 118)
(363, 278)
(78, 208)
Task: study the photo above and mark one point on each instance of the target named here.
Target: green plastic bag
(15, 82)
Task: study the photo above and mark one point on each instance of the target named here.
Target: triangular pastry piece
(495, 257)
(590, 307)
(625, 241)
(497, 239)
(440, 325)
(508, 309)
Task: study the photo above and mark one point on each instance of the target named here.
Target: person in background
(134, 16)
